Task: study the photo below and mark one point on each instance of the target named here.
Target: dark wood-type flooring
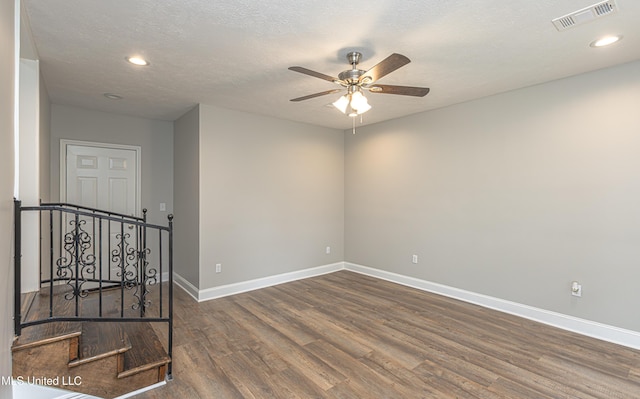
(345, 335)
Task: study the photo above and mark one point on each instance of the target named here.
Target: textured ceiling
(235, 53)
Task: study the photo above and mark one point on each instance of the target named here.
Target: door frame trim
(63, 166)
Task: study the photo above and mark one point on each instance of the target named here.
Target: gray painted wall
(271, 196)
(512, 196)
(154, 136)
(186, 196)
(7, 71)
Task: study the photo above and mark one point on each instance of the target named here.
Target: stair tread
(44, 333)
(39, 308)
(101, 339)
(110, 302)
(26, 301)
(35, 306)
(146, 350)
(140, 356)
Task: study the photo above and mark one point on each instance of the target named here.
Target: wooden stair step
(26, 301)
(105, 303)
(34, 306)
(112, 357)
(146, 351)
(41, 303)
(100, 340)
(58, 289)
(42, 334)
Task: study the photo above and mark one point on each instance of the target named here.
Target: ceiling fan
(356, 80)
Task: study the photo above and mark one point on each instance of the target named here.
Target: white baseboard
(250, 285)
(186, 286)
(620, 336)
(589, 328)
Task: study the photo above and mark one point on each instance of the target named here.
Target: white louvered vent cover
(585, 15)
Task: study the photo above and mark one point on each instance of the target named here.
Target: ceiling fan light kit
(342, 103)
(354, 100)
(356, 80)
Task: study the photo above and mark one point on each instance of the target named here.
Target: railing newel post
(170, 332)
(40, 242)
(141, 246)
(76, 243)
(51, 263)
(17, 263)
(122, 268)
(100, 265)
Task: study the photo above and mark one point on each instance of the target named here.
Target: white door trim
(63, 166)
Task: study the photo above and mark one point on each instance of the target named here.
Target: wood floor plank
(290, 384)
(196, 375)
(339, 336)
(364, 379)
(399, 375)
(248, 374)
(590, 380)
(346, 335)
(310, 366)
(279, 320)
(510, 389)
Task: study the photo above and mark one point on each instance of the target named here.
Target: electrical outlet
(414, 259)
(328, 250)
(576, 289)
(218, 267)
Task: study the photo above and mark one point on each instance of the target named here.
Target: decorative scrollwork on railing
(149, 277)
(125, 259)
(78, 262)
(134, 270)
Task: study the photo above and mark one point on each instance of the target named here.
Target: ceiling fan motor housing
(351, 76)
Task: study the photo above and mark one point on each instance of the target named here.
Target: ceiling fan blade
(315, 95)
(313, 73)
(384, 67)
(402, 90)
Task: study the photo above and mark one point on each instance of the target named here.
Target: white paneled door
(102, 177)
(107, 178)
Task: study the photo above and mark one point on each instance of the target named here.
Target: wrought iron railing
(99, 266)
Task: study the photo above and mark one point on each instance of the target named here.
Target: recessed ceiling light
(605, 41)
(112, 96)
(135, 60)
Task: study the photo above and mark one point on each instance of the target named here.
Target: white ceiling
(235, 53)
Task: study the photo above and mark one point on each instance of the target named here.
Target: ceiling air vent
(585, 15)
